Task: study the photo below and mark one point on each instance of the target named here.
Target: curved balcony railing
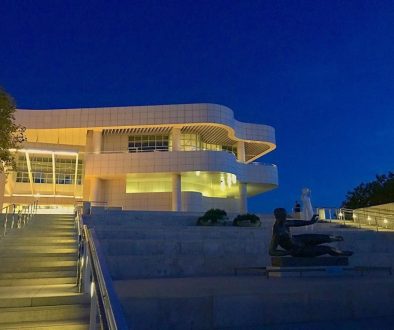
(108, 164)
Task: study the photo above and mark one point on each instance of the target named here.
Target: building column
(176, 192)
(243, 198)
(241, 151)
(176, 139)
(94, 140)
(96, 190)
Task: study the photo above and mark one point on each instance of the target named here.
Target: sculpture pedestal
(299, 267)
(309, 262)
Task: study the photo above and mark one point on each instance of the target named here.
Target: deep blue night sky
(320, 72)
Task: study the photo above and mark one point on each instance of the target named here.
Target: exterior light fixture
(91, 289)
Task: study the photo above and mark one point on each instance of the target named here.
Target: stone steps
(17, 315)
(42, 241)
(186, 247)
(37, 281)
(38, 277)
(69, 266)
(37, 251)
(44, 234)
(38, 274)
(254, 302)
(179, 266)
(13, 266)
(47, 325)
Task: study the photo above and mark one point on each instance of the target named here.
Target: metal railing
(93, 276)
(87, 207)
(17, 216)
(375, 217)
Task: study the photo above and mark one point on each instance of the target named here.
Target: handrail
(20, 214)
(368, 216)
(93, 275)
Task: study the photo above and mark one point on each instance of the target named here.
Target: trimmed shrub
(247, 220)
(212, 217)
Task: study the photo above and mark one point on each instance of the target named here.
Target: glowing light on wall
(229, 181)
(42, 151)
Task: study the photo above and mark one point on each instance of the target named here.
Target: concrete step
(34, 223)
(47, 228)
(12, 282)
(38, 274)
(38, 266)
(41, 296)
(33, 259)
(48, 325)
(50, 227)
(184, 246)
(42, 234)
(43, 313)
(70, 266)
(180, 266)
(181, 233)
(70, 241)
(36, 251)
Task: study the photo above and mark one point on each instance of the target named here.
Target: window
(147, 143)
(190, 142)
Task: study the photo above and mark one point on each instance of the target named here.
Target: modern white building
(188, 157)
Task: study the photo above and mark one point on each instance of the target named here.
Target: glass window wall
(146, 143)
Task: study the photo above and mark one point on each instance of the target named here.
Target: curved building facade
(188, 157)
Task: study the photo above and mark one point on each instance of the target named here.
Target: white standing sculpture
(307, 205)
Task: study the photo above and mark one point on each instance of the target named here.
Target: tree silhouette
(11, 134)
(379, 191)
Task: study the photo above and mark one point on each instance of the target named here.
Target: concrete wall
(116, 196)
(170, 274)
(115, 143)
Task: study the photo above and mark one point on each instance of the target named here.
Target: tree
(379, 191)
(11, 134)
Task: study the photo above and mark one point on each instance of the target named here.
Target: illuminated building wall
(172, 157)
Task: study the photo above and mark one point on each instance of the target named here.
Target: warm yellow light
(222, 183)
(385, 220)
(92, 289)
(43, 151)
(198, 173)
(233, 178)
(354, 216)
(38, 195)
(229, 182)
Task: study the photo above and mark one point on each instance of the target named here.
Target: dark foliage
(379, 191)
(11, 134)
(212, 217)
(247, 218)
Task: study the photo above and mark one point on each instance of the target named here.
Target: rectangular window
(148, 143)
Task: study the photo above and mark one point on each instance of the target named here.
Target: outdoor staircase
(38, 266)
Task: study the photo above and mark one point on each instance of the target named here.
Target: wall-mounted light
(91, 289)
